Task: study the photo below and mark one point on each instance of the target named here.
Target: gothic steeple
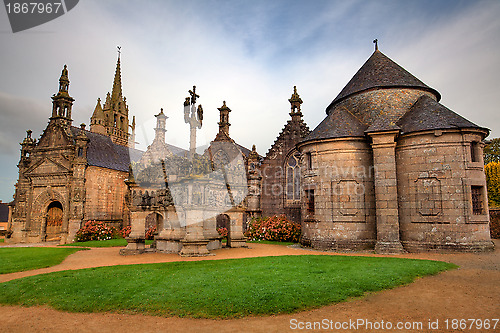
(62, 102)
(116, 93)
(114, 115)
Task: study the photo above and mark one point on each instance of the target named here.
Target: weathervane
(194, 117)
(119, 50)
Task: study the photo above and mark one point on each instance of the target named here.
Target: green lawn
(217, 288)
(17, 259)
(118, 242)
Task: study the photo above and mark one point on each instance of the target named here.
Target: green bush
(274, 228)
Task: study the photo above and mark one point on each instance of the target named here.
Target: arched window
(292, 167)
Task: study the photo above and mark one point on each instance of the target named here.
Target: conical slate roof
(340, 123)
(427, 114)
(380, 72)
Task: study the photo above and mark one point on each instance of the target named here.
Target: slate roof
(102, 152)
(380, 72)
(427, 114)
(340, 123)
(382, 124)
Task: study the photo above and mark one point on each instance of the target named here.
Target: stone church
(71, 174)
(389, 168)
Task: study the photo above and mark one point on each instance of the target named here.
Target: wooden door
(54, 221)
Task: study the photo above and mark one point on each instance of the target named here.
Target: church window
(293, 177)
(474, 151)
(309, 161)
(477, 200)
(310, 202)
(80, 152)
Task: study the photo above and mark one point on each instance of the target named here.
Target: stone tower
(111, 119)
(392, 169)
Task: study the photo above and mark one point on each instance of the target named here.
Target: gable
(55, 136)
(48, 166)
(291, 134)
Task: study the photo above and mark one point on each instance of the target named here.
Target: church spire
(116, 93)
(114, 112)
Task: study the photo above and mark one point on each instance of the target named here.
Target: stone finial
(295, 102)
(375, 41)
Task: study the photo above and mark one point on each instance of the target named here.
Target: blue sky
(248, 53)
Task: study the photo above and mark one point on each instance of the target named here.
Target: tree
(492, 151)
(492, 171)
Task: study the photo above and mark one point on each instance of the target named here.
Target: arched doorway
(54, 221)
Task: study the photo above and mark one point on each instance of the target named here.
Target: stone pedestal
(210, 233)
(169, 241)
(194, 244)
(386, 192)
(136, 239)
(169, 238)
(235, 234)
(134, 246)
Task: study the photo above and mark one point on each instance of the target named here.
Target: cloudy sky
(248, 53)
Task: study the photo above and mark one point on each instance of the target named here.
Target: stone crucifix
(194, 117)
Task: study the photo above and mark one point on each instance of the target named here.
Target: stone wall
(495, 222)
(105, 194)
(341, 181)
(435, 174)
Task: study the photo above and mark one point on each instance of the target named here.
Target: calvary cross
(193, 117)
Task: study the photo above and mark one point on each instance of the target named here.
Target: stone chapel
(71, 174)
(389, 169)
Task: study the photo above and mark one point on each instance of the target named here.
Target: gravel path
(470, 292)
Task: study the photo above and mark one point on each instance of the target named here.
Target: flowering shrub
(150, 233)
(93, 230)
(125, 232)
(222, 231)
(274, 228)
